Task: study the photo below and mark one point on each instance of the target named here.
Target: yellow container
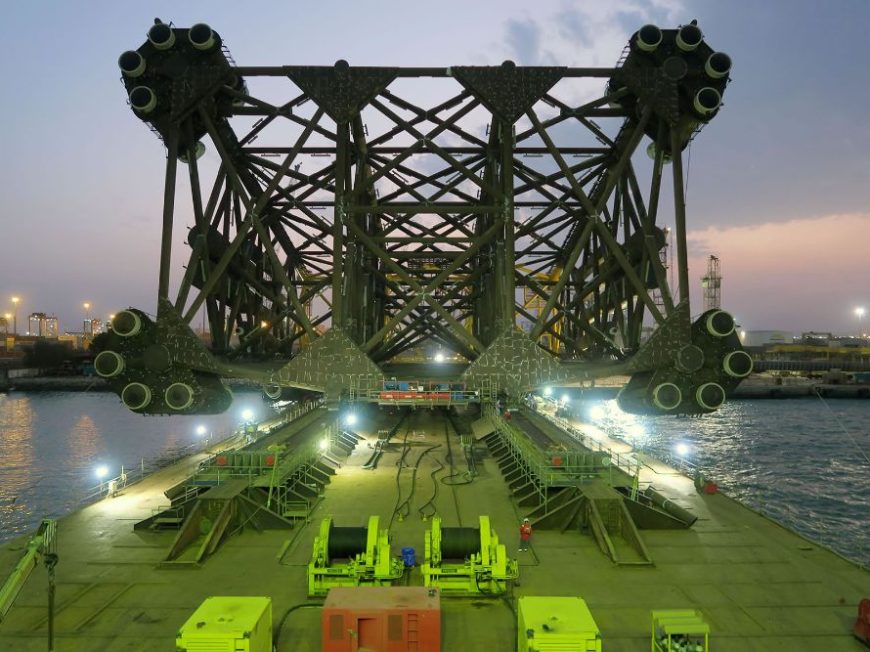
(549, 623)
(228, 624)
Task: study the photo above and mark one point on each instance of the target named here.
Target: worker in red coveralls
(525, 535)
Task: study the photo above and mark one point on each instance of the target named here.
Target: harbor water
(803, 462)
(53, 443)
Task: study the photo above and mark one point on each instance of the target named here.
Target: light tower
(15, 301)
(712, 284)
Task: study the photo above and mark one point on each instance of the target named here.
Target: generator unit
(382, 619)
(551, 624)
(351, 556)
(466, 561)
(228, 624)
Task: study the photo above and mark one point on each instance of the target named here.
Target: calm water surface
(802, 461)
(51, 444)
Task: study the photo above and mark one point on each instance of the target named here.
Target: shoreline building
(92, 327)
(42, 325)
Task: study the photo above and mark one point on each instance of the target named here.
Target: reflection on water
(52, 443)
(85, 443)
(16, 444)
(16, 460)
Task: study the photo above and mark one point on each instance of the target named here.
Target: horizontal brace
(456, 207)
(437, 208)
(283, 71)
(588, 113)
(405, 255)
(517, 151)
(554, 204)
(421, 240)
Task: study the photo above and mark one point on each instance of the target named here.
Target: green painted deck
(759, 586)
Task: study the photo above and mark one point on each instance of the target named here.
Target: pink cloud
(806, 274)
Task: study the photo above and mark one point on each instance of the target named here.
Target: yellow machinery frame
(486, 571)
(374, 566)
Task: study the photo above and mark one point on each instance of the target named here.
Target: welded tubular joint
(201, 36)
(720, 323)
(127, 323)
(710, 396)
(136, 396)
(689, 37)
(707, 100)
(718, 65)
(649, 37)
(667, 396)
(737, 364)
(161, 36)
(132, 64)
(108, 364)
(179, 396)
(143, 99)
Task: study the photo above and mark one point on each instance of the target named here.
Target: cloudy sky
(778, 187)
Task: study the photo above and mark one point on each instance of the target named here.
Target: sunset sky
(778, 186)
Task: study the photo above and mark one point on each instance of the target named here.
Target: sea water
(52, 445)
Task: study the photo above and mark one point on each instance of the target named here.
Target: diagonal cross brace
(424, 292)
(245, 227)
(594, 221)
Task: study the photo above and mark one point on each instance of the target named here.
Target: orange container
(382, 619)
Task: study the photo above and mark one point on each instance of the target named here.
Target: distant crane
(712, 284)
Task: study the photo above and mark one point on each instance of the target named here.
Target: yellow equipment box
(228, 624)
(679, 630)
(556, 623)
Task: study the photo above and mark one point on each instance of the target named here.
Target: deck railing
(231, 441)
(624, 461)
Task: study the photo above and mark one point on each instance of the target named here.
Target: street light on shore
(203, 433)
(15, 301)
(859, 312)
